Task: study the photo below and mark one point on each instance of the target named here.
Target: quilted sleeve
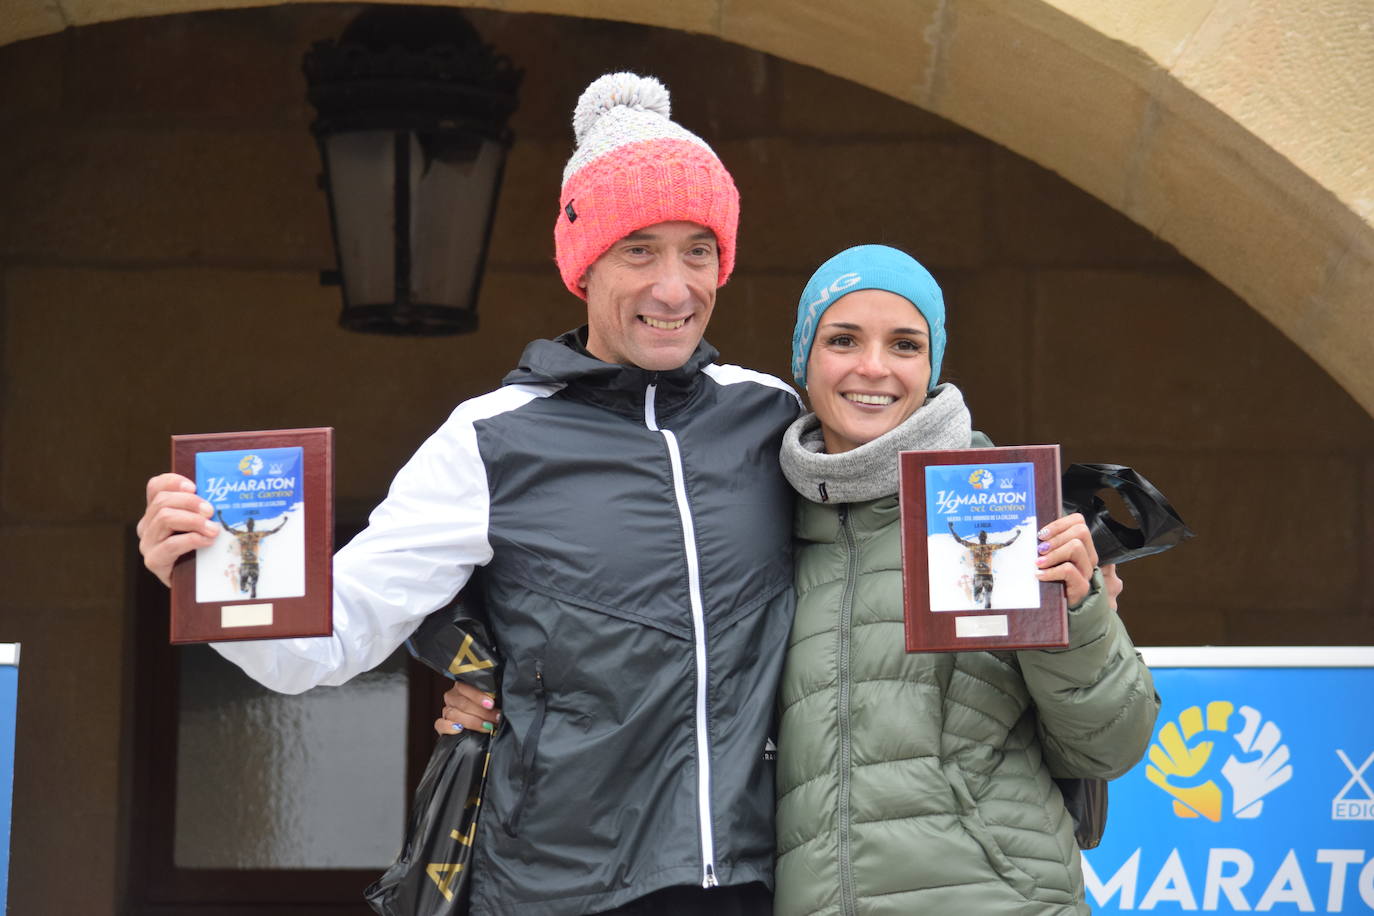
(1095, 699)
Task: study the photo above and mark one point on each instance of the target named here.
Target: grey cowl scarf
(870, 471)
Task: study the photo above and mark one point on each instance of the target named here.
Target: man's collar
(565, 359)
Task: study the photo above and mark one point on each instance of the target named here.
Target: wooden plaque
(969, 524)
(269, 574)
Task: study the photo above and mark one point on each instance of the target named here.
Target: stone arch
(1236, 130)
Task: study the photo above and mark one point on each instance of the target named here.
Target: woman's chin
(849, 436)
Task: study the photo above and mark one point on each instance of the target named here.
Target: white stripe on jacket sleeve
(729, 374)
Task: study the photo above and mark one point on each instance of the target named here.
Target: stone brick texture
(159, 249)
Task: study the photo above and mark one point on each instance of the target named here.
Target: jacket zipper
(847, 904)
(708, 843)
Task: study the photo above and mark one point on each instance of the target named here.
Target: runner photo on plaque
(258, 500)
(981, 536)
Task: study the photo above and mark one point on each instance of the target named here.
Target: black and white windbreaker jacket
(635, 530)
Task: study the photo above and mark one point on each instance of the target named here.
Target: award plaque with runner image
(969, 523)
(268, 573)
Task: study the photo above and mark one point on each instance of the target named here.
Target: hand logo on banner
(1200, 762)
(1264, 771)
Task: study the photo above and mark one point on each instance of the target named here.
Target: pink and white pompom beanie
(634, 167)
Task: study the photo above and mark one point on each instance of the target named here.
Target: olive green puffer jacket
(921, 784)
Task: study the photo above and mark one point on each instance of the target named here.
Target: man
(981, 552)
(250, 542)
(623, 494)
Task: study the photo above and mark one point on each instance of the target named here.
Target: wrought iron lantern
(411, 124)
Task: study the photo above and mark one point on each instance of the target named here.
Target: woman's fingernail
(1043, 533)
(456, 726)
(488, 703)
(1045, 547)
(207, 510)
(498, 717)
(211, 528)
(487, 726)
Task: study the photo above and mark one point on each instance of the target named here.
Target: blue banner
(9, 703)
(1255, 795)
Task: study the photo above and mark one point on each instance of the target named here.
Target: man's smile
(663, 325)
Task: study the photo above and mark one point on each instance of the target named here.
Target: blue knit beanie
(868, 267)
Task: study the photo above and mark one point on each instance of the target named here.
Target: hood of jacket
(565, 361)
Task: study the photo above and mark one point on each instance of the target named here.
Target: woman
(921, 783)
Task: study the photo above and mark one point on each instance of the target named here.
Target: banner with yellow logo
(9, 705)
(1257, 792)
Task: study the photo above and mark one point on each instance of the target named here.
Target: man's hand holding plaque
(174, 522)
(242, 531)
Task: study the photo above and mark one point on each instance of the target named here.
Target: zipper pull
(710, 880)
(844, 514)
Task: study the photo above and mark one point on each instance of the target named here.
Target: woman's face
(869, 367)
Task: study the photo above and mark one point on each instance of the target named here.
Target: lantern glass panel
(361, 169)
(453, 181)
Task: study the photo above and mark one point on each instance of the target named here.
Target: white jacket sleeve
(418, 550)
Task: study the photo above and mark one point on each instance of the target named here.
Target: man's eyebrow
(645, 235)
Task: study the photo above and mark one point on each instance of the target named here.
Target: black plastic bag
(1085, 798)
(1159, 528)
(431, 876)
(1159, 525)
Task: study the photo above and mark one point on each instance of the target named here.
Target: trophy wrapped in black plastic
(1159, 527)
(432, 875)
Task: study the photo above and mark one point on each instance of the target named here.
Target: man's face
(651, 294)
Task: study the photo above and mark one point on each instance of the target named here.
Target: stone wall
(159, 250)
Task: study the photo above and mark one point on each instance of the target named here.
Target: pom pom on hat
(641, 93)
(634, 167)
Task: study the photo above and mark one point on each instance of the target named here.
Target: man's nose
(671, 286)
